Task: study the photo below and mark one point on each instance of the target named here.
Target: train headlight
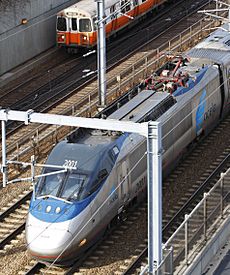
(57, 210)
(82, 242)
(61, 38)
(48, 208)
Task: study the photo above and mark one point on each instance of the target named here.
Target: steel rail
(35, 268)
(8, 211)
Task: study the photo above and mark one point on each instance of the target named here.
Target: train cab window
(85, 25)
(61, 24)
(73, 186)
(50, 184)
(114, 152)
(74, 24)
(99, 180)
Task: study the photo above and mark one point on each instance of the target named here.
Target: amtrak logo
(200, 112)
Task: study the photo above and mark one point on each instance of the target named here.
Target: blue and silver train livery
(70, 210)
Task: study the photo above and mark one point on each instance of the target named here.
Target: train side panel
(195, 113)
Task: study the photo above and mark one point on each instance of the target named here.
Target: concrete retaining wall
(18, 42)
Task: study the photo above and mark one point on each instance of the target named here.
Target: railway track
(12, 220)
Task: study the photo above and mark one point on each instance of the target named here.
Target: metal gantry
(216, 16)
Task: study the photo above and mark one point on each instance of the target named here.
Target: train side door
(124, 181)
(73, 31)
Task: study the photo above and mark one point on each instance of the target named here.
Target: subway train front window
(61, 24)
(74, 24)
(85, 25)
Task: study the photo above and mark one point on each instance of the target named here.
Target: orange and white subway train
(76, 25)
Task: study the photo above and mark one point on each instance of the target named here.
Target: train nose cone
(48, 240)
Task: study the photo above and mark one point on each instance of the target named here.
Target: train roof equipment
(178, 76)
(214, 49)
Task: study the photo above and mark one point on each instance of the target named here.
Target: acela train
(77, 28)
(68, 213)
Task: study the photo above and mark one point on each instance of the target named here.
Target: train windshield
(50, 184)
(61, 24)
(67, 185)
(73, 186)
(85, 25)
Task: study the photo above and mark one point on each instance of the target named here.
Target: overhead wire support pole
(4, 166)
(101, 53)
(154, 161)
(101, 49)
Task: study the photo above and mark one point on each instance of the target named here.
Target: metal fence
(197, 227)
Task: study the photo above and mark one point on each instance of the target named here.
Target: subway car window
(112, 9)
(74, 24)
(61, 24)
(127, 8)
(123, 6)
(94, 24)
(85, 25)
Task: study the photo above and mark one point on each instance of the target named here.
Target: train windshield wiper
(53, 197)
